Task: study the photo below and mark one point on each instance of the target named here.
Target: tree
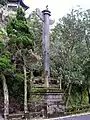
(21, 44)
(86, 72)
(5, 66)
(69, 50)
(36, 29)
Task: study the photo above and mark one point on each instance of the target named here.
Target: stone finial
(46, 7)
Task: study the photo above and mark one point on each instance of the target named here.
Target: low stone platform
(55, 104)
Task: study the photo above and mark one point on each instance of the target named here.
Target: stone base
(55, 106)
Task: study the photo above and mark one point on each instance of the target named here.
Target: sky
(58, 8)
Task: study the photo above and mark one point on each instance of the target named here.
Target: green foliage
(4, 57)
(15, 82)
(19, 76)
(21, 40)
(86, 68)
(35, 26)
(70, 50)
(1, 46)
(20, 14)
(4, 62)
(18, 30)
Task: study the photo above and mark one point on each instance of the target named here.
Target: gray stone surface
(82, 117)
(54, 102)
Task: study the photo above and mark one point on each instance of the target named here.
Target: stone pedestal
(55, 106)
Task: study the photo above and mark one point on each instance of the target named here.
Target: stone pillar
(46, 45)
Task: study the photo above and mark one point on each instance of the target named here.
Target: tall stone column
(46, 44)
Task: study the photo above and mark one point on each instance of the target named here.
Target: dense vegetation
(70, 55)
(71, 47)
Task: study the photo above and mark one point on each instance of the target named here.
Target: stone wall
(55, 104)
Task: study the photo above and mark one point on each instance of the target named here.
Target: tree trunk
(6, 97)
(25, 89)
(69, 92)
(88, 90)
(81, 93)
(60, 84)
(31, 83)
(25, 86)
